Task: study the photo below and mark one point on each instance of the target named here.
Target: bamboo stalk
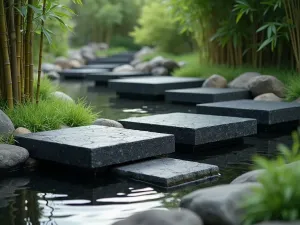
(5, 54)
(19, 47)
(13, 51)
(40, 55)
(28, 53)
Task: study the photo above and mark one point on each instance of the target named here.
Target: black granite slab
(193, 129)
(206, 95)
(110, 60)
(152, 86)
(108, 67)
(95, 146)
(104, 77)
(78, 73)
(266, 113)
(168, 172)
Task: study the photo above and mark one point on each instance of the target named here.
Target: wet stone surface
(266, 113)
(194, 129)
(78, 73)
(168, 172)
(155, 85)
(205, 95)
(105, 76)
(95, 146)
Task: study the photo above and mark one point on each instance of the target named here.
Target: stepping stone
(78, 73)
(94, 147)
(108, 67)
(266, 113)
(111, 60)
(194, 129)
(153, 87)
(205, 95)
(104, 77)
(168, 172)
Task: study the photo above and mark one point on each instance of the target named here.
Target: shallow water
(53, 198)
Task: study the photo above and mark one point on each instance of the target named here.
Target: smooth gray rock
(21, 130)
(280, 223)
(123, 68)
(135, 62)
(242, 81)
(252, 176)
(96, 146)
(106, 76)
(266, 84)
(162, 217)
(144, 51)
(6, 125)
(11, 156)
(193, 129)
(157, 61)
(108, 123)
(62, 62)
(170, 65)
(160, 71)
(62, 96)
(144, 67)
(269, 97)
(155, 85)
(48, 67)
(52, 75)
(206, 95)
(220, 205)
(266, 113)
(168, 172)
(215, 81)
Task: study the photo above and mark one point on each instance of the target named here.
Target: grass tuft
(46, 88)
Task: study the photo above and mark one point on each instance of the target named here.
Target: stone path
(78, 73)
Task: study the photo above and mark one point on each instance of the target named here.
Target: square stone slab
(205, 95)
(110, 60)
(108, 67)
(153, 86)
(194, 129)
(78, 73)
(168, 172)
(106, 76)
(96, 146)
(266, 113)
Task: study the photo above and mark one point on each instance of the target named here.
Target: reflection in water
(55, 199)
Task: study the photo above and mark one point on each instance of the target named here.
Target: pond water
(50, 197)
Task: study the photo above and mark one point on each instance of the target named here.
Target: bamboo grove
(258, 33)
(20, 20)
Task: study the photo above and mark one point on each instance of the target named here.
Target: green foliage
(119, 41)
(46, 88)
(157, 27)
(111, 51)
(50, 114)
(278, 196)
(10, 140)
(293, 88)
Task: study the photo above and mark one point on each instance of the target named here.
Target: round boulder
(123, 68)
(144, 67)
(48, 67)
(162, 217)
(170, 65)
(268, 97)
(215, 81)
(62, 62)
(62, 96)
(135, 62)
(266, 84)
(108, 123)
(52, 75)
(6, 125)
(11, 156)
(160, 71)
(73, 63)
(243, 80)
(21, 130)
(157, 61)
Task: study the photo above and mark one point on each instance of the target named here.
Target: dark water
(40, 197)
